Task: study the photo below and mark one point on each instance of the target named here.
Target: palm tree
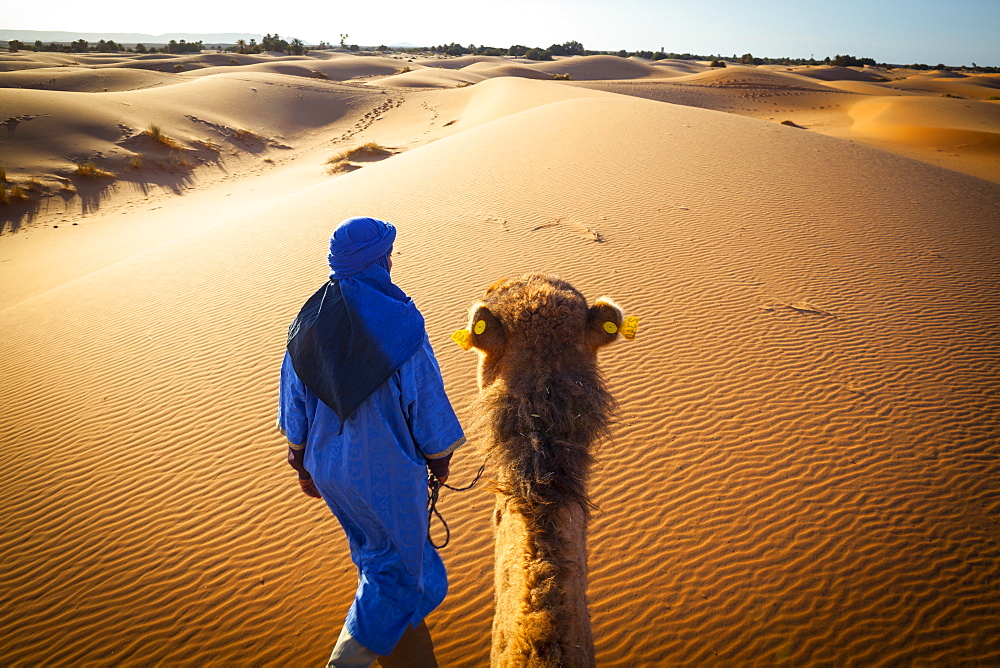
(241, 45)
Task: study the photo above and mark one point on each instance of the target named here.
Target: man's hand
(440, 467)
(295, 460)
(309, 488)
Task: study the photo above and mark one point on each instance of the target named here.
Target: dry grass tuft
(135, 161)
(404, 70)
(3, 174)
(342, 168)
(90, 169)
(180, 160)
(561, 77)
(369, 150)
(4, 199)
(156, 134)
(17, 192)
(341, 163)
(320, 75)
(244, 134)
(208, 144)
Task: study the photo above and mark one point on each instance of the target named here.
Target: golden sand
(805, 468)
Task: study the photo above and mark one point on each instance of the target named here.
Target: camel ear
(484, 332)
(604, 320)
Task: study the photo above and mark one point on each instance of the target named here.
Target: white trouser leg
(349, 653)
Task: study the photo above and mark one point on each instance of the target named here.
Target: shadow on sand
(88, 193)
(152, 167)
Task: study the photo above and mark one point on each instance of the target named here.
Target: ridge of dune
(590, 68)
(430, 77)
(84, 80)
(803, 469)
(335, 69)
(498, 98)
(976, 87)
(459, 62)
(739, 76)
(681, 67)
(492, 70)
(839, 73)
(939, 123)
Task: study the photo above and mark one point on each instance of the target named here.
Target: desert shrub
(90, 169)
(572, 48)
(180, 160)
(320, 75)
(342, 168)
(717, 63)
(369, 150)
(341, 163)
(561, 77)
(538, 54)
(848, 60)
(208, 144)
(156, 134)
(244, 134)
(404, 70)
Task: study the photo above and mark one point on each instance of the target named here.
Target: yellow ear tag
(610, 327)
(463, 338)
(630, 327)
(480, 327)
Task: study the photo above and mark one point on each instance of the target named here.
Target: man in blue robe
(363, 406)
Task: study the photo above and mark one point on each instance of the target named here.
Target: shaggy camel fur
(542, 405)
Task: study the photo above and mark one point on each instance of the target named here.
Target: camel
(542, 405)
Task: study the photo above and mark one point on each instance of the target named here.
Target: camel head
(542, 400)
(538, 319)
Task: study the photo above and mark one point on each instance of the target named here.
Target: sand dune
(940, 124)
(804, 466)
(837, 73)
(430, 77)
(591, 68)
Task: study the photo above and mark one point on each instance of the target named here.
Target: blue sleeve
(433, 424)
(293, 421)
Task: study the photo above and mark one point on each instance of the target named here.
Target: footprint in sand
(583, 231)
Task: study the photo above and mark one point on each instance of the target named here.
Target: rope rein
(433, 490)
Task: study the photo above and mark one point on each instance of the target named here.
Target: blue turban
(356, 243)
(356, 330)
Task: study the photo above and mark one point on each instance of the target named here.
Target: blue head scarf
(357, 329)
(357, 243)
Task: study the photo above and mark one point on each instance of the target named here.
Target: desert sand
(806, 461)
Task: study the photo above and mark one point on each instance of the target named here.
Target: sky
(953, 32)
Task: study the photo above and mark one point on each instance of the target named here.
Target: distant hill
(29, 36)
